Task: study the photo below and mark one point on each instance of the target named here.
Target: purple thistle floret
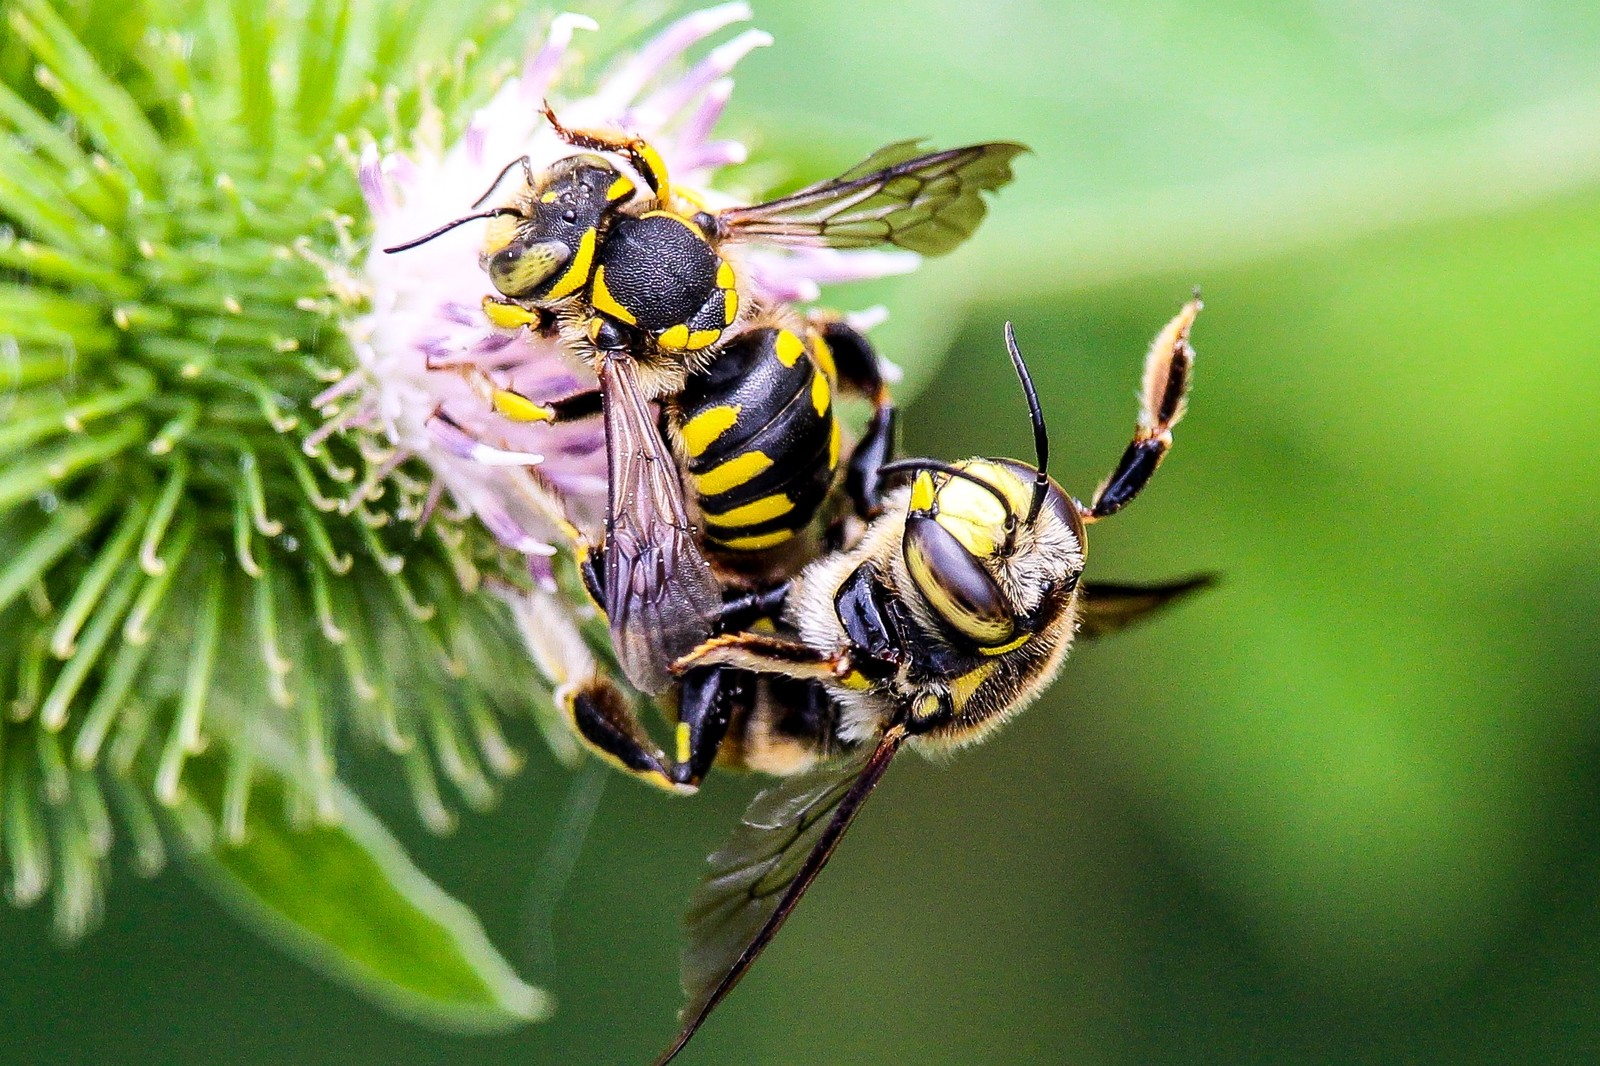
(425, 304)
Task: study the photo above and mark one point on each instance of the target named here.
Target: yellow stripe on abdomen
(731, 474)
(755, 543)
(753, 514)
(702, 431)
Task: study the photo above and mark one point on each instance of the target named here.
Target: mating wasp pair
(928, 613)
(633, 275)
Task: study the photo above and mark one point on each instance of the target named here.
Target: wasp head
(543, 249)
(995, 546)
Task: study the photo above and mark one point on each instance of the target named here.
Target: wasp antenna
(937, 466)
(448, 226)
(527, 173)
(1041, 435)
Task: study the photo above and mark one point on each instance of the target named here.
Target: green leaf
(347, 900)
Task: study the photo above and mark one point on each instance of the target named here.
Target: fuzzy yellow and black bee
(952, 612)
(632, 273)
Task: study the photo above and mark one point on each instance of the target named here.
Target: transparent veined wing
(785, 838)
(1105, 608)
(660, 596)
(927, 203)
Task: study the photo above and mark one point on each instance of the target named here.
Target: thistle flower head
(425, 304)
(229, 533)
(182, 577)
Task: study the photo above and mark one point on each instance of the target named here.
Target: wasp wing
(659, 594)
(1105, 609)
(785, 838)
(927, 203)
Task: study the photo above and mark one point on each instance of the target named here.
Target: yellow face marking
(820, 393)
(596, 324)
(604, 301)
(731, 474)
(619, 188)
(962, 688)
(683, 741)
(725, 278)
(823, 355)
(790, 348)
(549, 197)
(833, 445)
(922, 492)
(756, 543)
(519, 408)
(504, 315)
(702, 431)
(753, 514)
(855, 679)
(676, 338)
(972, 514)
(702, 338)
(730, 306)
(578, 272)
(1010, 645)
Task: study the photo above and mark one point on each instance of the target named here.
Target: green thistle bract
(180, 579)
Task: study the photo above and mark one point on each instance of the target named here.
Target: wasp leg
(600, 714)
(604, 719)
(459, 440)
(508, 314)
(508, 403)
(709, 699)
(1166, 384)
(762, 654)
(861, 372)
(746, 609)
(645, 159)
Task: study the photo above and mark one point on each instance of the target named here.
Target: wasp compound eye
(519, 269)
(955, 584)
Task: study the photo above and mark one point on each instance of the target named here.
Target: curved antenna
(448, 226)
(1041, 436)
(940, 467)
(527, 176)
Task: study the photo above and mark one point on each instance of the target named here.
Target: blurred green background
(1342, 809)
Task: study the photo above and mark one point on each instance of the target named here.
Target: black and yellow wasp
(632, 273)
(952, 612)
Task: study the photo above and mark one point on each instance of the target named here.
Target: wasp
(952, 612)
(632, 273)
(767, 395)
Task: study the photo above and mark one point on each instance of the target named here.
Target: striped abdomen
(762, 441)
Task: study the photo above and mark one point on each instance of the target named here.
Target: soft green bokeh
(1340, 810)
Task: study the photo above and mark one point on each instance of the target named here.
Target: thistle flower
(425, 304)
(182, 581)
(232, 542)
